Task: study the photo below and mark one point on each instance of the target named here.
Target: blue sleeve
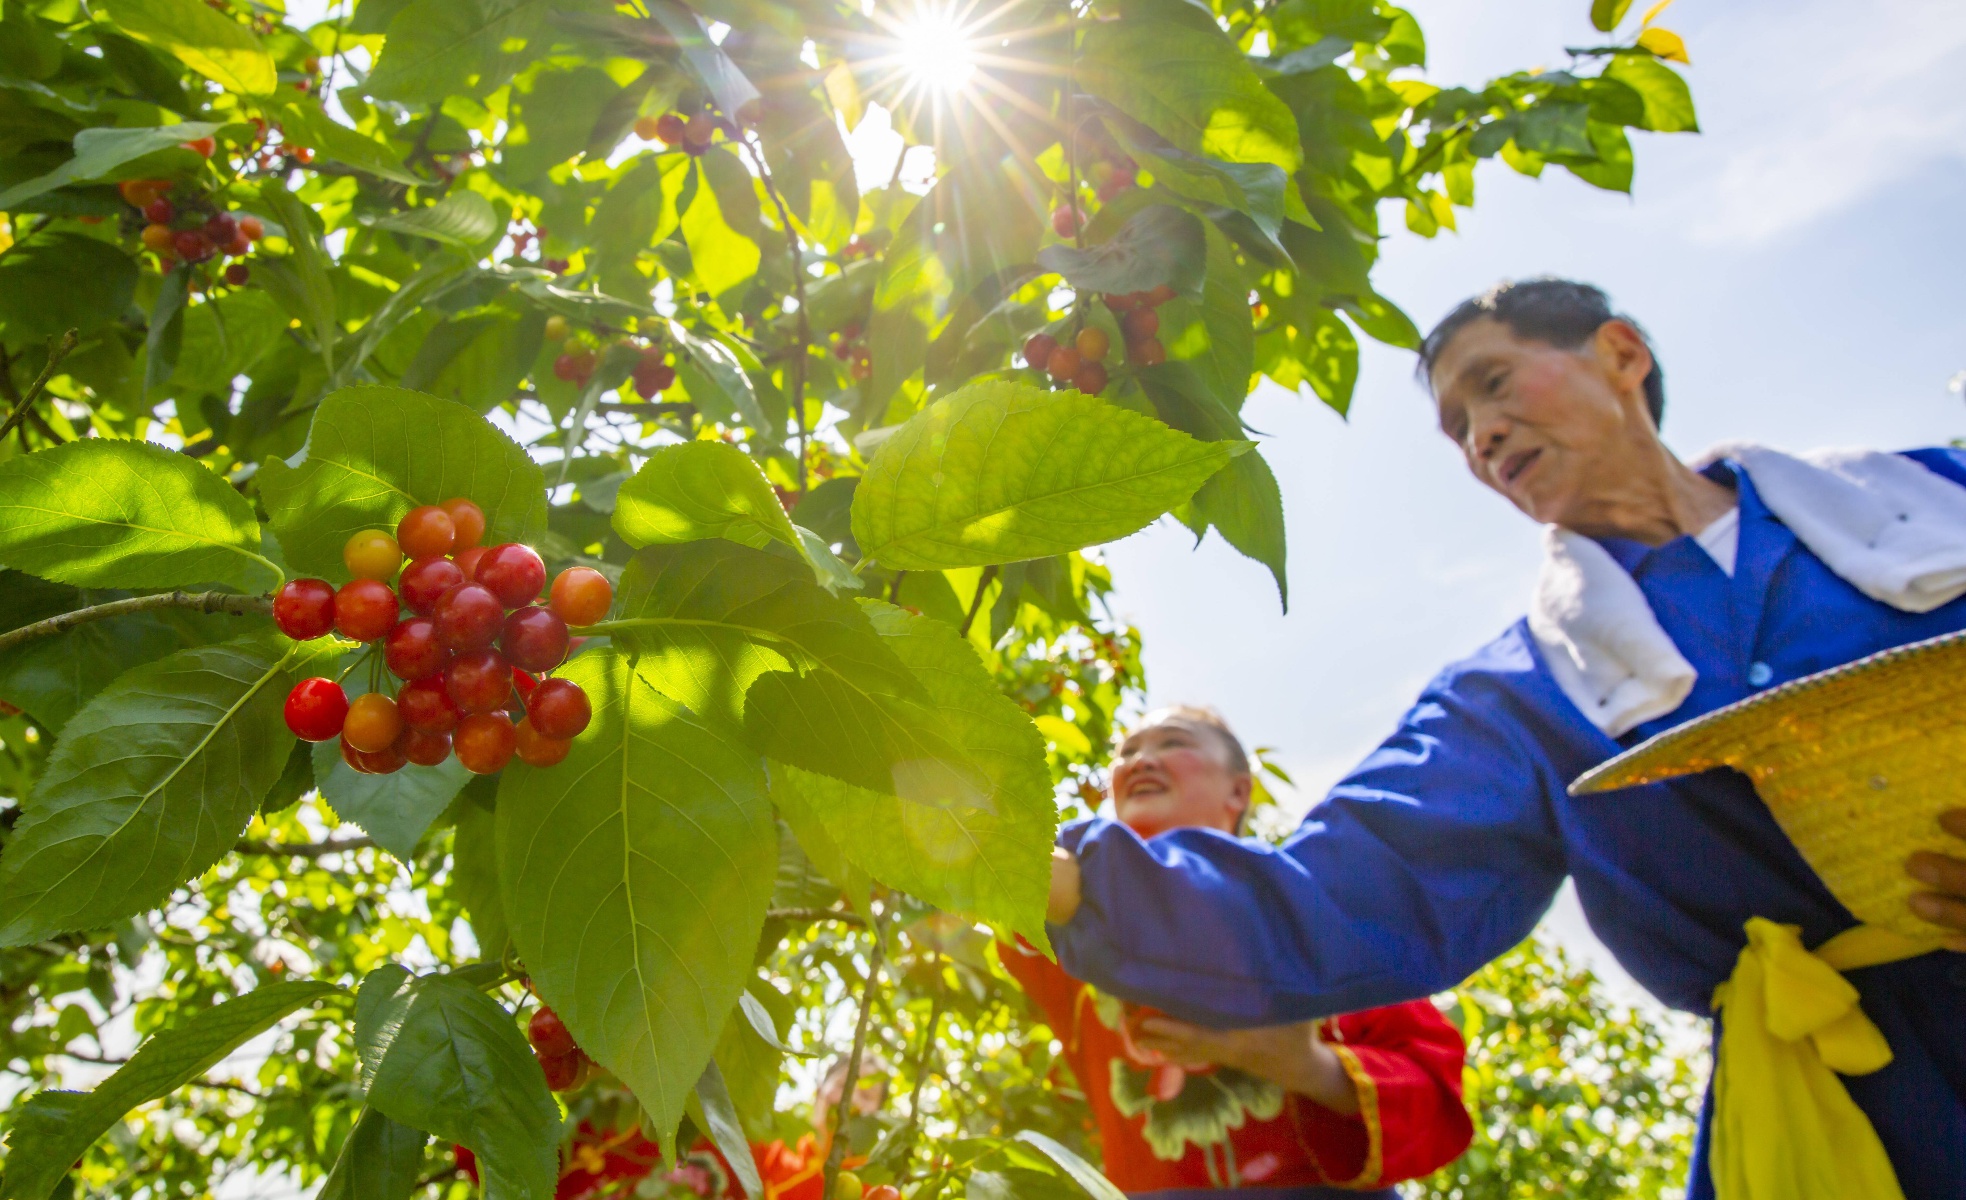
(1439, 852)
(1945, 461)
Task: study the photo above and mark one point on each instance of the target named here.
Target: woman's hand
(1064, 898)
(1945, 874)
(1294, 1057)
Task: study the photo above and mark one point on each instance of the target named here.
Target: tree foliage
(609, 271)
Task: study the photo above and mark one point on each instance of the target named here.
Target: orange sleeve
(1406, 1062)
(1045, 982)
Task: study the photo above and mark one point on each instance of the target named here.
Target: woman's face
(1172, 773)
(1550, 429)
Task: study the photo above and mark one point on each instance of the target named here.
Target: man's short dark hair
(1558, 312)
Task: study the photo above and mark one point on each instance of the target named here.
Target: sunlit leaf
(210, 43)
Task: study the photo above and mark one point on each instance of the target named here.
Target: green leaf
(374, 453)
(441, 1056)
(1605, 14)
(635, 875)
(556, 117)
(1382, 319)
(296, 780)
(1243, 503)
(695, 490)
(381, 1160)
(747, 638)
(308, 126)
(1551, 129)
(1668, 101)
(309, 293)
(1159, 244)
(474, 875)
(460, 219)
(1217, 335)
(166, 334)
(394, 809)
(716, 379)
(437, 48)
(720, 1120)
(1192, 86)
(999, 471)
(210, 43)
(100, 150)
(720, 256)
(54, 1129)
(1083, 1173)
(976, 841)
(53, 282)
(104, 513)
(150, 785)
(706, 60)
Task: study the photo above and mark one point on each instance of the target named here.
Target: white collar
(1892, 528)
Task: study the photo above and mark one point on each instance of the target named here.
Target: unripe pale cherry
(304, 609)
(372, 554)
(373, 723)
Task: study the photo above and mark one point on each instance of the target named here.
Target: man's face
(1172, 773)
(1550, 429)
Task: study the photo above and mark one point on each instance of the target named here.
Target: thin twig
(976, 603)
(303, 849)
(815, 914)
(800, 322)
(209, 602)
(836, 1153)
(894, 588)
(56, 353)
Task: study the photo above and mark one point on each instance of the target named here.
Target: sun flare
(935, 51)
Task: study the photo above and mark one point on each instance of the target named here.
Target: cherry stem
(976, 604)
(836, 1153)
(56, 353)
(209, 602)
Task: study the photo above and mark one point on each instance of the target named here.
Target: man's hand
(1064, 899)
(1293, 1057)
(1945, 874)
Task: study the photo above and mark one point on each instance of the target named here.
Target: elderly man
(1669, 590)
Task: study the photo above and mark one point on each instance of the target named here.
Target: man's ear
(1243, 789)
(1622, 351)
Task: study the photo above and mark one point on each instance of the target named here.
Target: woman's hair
(1216, 723)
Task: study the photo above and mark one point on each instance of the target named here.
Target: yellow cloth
(1784, 1128)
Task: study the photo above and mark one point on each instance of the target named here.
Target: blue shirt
(1446, 845)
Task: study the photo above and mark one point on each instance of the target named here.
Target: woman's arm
(1294, 1057)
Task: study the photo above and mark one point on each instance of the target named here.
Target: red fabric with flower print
(596, 1159)
(1406, 1060)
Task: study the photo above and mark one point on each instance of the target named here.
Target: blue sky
(1799, 265)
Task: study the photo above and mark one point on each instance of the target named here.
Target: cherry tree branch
(799, 319)
(836, 1153)
(25, 404)
(209, 602)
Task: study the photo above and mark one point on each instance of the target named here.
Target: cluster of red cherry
(1081, 364)
(693, 135)
(652, 374)
(464, 599)
(566, 1065)
(850, 347)
(190, 229)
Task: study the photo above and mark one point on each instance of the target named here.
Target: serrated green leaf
(1083, 1173)
(635, 875)
(1192, 86)
(720, 1120)
(706, 60)
(999, 472)
(459, 219)
(381, 1160)
(1605, 14)
(300, 281)
(210, 43)
(151, 784)
(716, 379)
(695, 490)
(1668, 101)
(394, 809)
(1215, 334)
(1160, 244)
(308, 126)
(99, 151)
(474, 876)
(54, 281)
(166, 334)
(982, 851)
(720, 257)
(441, 1056)
(1244, 504)
(53, 1129)
(556, 117)
(105, 513)
(436, 48)
(374, 453)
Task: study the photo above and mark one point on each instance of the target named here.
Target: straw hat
(1856, 762)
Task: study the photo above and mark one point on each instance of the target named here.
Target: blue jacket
(1444, 847)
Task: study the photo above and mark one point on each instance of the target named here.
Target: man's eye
(1494, 382)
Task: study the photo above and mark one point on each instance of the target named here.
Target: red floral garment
(1162, 1127)
(607, 1162)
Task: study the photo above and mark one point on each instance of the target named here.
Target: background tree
(609, 273)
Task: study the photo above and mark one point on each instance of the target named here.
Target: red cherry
(581, 595)
(1091, 379)
(1063, 364)
(881, 1191)
(559, 709)
(669, 128)
(468, 618)
(202, 147)
(425, 581)
(364, 609)
(192, 246)
(479, 681)
(159, 212)
(372, 723)
(565, 368)
(1065, 221)
(426, 532)
(524, 682)
(1162, 293)
(1140, 324)
(423, 749)
(537, 750)
(238, 273)
(221, 228)
(484, 742)
(304, 609)
(427, 707)
(316, 709)
(534, 639)
(513, 573)
(353, 758)
(386, 761)
(467, 560)
(467, 519)
(1037, 350)
(1149, 353)
(549, 1035)
(563, 1071)
(412, 650)
(252, 227)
